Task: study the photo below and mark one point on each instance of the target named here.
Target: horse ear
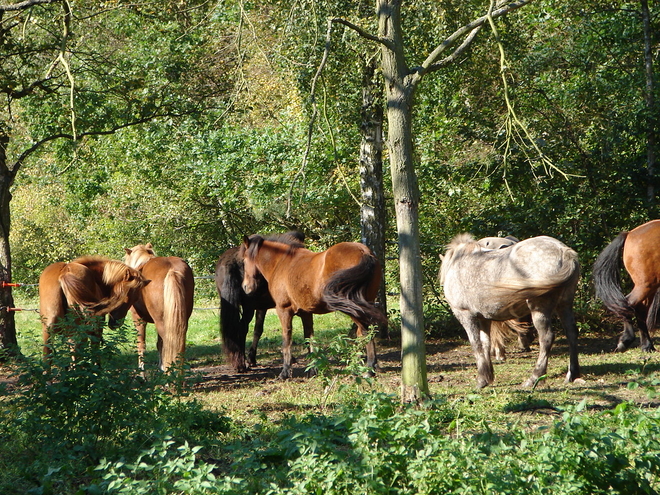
(128, 251)
(442, 257)
(149, 245)
(246, 240)
(145, 283)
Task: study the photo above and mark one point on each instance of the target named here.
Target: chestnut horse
(640, 252)
(537, 277)
(167, 302)
(343, 278)
(90, 286)
(238, 308)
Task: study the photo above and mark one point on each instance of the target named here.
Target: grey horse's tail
(567, 276)
(607, 278)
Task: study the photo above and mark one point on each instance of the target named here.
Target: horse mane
(139, 255)
(459, 246)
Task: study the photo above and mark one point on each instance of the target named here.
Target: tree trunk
(651, 120)
(8, 343)
(399, 92)
(372, 213)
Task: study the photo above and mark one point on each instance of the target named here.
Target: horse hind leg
(567, 318)
(372, 358)
(259, 319)
(542, 319)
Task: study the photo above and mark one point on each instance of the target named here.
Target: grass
(258, 394)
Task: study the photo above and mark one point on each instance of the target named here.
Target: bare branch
(362, 32)
(25, 5)
(433, 57)
(457, 53)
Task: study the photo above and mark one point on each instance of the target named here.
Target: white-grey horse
(523, 330)
(536, 277)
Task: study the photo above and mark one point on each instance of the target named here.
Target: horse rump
(346, 290)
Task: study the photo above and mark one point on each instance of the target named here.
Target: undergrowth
(91, 426)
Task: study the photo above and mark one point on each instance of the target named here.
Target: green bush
(84, 404)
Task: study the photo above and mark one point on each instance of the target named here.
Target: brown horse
(344, 278)
(641, 258)
(238, 308)
(89, 286)
(167, 302)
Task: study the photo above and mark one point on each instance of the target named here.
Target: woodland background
(221, 93)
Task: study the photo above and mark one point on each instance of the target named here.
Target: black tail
(233, 326)
(607, 278)
(345, 292)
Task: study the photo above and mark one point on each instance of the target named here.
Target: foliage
(72, 410)
(382, 447)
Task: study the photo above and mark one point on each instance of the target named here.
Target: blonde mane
(137, 256)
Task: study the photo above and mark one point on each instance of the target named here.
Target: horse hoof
(621, 347)
(370, 373)
(482, 383)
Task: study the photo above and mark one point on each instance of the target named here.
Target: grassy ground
(258, 394)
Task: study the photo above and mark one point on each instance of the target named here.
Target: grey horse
(537, 277)
(501, 330)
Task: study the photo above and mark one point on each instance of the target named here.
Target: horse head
(125, 285)
(248, 253)
(137, 256)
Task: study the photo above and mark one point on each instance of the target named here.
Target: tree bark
(399, 91)
(8, 342)
(651, 120)
(372, 213)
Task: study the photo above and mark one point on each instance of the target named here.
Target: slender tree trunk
(399, 92)
(8, 343)
(652, 118)
(372, 213)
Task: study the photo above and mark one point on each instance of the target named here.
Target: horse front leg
(478, 332)
(308, 331)
(287, 332)
(259, 319)
(141, 327)
(543, 323)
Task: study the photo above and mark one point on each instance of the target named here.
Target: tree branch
(25, 5)
(362, 32)
(432, 60)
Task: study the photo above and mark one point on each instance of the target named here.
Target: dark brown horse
(166, 302)
(344, 278)
(238, 308)
(89, 286)
(640, 251)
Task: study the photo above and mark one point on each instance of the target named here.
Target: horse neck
(271, 255)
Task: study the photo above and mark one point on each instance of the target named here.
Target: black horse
(237, 308)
